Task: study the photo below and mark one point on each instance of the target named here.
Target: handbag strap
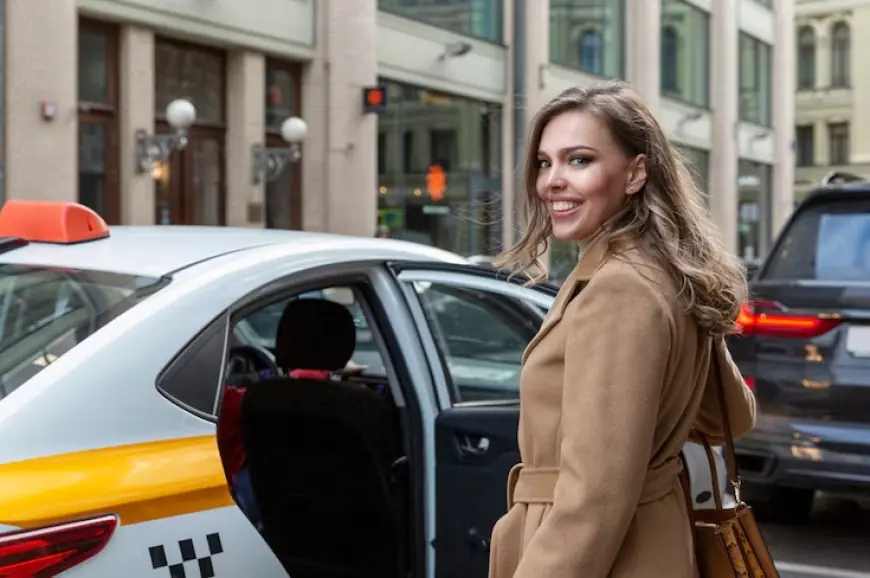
(730, 457)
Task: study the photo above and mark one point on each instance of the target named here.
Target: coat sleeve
(620, 333)
(738, 396)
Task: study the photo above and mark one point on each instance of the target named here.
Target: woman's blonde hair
(667, 219)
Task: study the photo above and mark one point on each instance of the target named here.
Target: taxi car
(116, 348)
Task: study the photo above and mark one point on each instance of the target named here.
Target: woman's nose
(556, 181)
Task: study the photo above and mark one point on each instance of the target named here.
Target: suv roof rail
(839, 177)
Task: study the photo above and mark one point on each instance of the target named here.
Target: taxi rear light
(51, 222)
(51, 550)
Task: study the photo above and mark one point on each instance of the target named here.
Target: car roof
(160, 250)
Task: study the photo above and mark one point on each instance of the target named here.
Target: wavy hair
(667, 220)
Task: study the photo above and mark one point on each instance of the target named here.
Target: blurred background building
(437, 163)
(832, 122)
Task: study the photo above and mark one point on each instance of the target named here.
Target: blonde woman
(615, 380)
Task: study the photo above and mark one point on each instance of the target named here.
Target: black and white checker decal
(183, 564)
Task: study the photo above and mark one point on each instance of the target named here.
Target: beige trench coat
(611, 387)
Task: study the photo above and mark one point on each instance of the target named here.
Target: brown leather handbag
(728, 541)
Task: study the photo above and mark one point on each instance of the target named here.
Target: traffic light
(436, 182)
(374, 99)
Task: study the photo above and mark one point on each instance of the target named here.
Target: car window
(481, 336)
(260, 327)
(828, 241)
(45, 312)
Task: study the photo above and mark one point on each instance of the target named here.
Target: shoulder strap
(730, 456)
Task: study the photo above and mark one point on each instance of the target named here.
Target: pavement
(835, 543)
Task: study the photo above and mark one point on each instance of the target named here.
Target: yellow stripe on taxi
(138, 482)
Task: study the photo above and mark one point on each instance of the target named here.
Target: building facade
(831, 133)
(87, 82)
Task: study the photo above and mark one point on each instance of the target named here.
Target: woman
(615, 380)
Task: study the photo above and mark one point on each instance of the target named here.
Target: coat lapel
(591, 260)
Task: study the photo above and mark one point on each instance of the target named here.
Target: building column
(724, 30)
(536, 58)
(246, 126)
(41, 67)
(136, 64)
(339, 157)
(784, 86)
(508, 162)
(643, 47)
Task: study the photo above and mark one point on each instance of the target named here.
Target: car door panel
(476, 446)
(475, 441)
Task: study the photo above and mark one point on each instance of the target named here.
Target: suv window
(45, 312)
(827, 241)
(482, 336)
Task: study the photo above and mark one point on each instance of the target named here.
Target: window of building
(805, 145)
(756, 80)
(477, 18)
(754, 209)
(589, 35)
(698, 161)
(99, 179)
(841, 55)
(283, 207)
(191, 189)
(838, 135)
(451, 196)
(685, 56)
(806, 57)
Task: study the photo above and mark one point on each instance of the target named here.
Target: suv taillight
(51, 550)
(770, 319)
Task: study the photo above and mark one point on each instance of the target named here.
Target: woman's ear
(636, 175)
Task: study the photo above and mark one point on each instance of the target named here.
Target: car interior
(324, 451)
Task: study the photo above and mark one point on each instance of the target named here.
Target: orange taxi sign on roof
(51, 222)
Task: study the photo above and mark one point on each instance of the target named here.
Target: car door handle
(473, 445)
(477, 540)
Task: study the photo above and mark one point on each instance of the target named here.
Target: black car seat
(320, 455)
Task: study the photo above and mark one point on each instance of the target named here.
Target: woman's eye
(542, 164)
(579, 161)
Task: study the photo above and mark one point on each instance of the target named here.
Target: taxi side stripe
(139, 482)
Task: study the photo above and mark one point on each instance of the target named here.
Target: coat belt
(537, 485)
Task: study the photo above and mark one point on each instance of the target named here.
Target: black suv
(803, 343)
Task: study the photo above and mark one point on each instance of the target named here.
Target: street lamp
(268, 163)
(152, 149)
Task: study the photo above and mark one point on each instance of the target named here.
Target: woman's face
(584, 178)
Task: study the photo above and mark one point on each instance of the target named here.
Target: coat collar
(591, 260)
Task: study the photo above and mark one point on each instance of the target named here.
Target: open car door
(475, 326)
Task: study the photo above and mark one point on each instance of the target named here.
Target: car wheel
(784, 505)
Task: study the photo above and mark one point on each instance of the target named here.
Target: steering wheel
(251, 360)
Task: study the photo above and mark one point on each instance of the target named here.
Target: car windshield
(828, 242)
(46, 311)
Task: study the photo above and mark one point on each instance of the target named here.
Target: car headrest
(314, 334)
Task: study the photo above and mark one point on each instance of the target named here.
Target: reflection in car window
(45, 312)
(482, 336)
(260, 327)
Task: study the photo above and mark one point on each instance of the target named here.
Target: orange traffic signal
(436, 182)
(374, 99)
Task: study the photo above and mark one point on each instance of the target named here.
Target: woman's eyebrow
(571, 149)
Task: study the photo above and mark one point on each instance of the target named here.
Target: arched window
(670, 60)
(841, 52)
(806, 57)
(591, 54)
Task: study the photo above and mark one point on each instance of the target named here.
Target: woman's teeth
(565, 206)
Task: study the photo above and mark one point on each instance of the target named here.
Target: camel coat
(611, 387)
